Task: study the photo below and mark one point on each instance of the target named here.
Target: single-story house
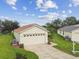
(71, 32)
(31, 34)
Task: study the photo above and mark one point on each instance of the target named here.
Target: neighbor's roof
(70, 28)
(28, 26)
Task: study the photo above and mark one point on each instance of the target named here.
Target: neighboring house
(31, 34)
(71, 32)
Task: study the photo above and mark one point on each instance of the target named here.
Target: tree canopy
(8, 25)
(70, 21)
(57, 23)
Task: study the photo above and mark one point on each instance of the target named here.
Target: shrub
(20, 56)
(67, 38)
(21, 45)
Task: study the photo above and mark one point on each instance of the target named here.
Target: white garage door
(35, 38)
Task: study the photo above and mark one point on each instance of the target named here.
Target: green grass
(63, 45)
(9, 52)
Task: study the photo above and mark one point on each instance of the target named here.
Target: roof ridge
(25, 27)
(69, 28)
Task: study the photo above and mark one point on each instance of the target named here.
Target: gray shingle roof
(70, 28)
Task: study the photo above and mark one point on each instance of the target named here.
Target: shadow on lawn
(19, 56)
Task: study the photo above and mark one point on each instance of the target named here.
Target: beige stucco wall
(33, 39)
(17, 36)
(69, 34)
(75, 35)
(60, 32)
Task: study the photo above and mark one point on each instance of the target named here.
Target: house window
(43, 34)
(63, 32)
(24, 35)
(60, 31)
(30, 35)
(38, 34)
(27, 35)
(33, 35)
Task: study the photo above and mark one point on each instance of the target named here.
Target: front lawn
(9, 52)
(63, 45)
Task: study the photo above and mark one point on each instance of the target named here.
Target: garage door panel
(35, 40)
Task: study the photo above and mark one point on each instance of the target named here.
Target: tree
(9, 25)
(49, 27)
(1, 26)
(77, 21)
(15, 25)
(70, 21)
(57, 23)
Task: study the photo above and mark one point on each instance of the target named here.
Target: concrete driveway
(45, 51)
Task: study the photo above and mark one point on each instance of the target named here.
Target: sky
(38, 11)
